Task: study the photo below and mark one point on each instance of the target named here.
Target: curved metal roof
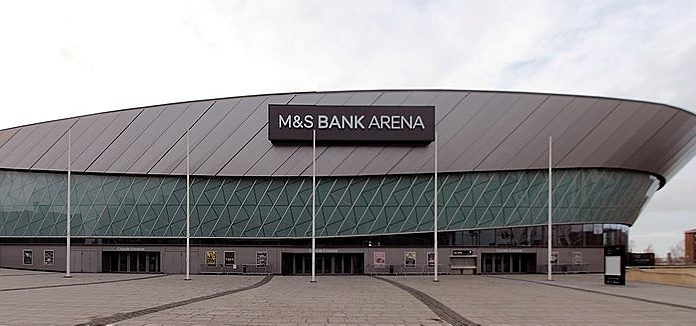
(477, 131)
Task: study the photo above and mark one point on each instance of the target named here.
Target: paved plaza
(40, 298)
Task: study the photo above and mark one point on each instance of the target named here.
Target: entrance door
(508, 263)
(130, 262)
(326, 263)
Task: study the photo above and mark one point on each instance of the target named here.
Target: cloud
(67, 58)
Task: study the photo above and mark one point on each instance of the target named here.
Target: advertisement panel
(410, 259)
(27, 257)
(379, 259)
(261, 258)
(211, 258)
(48, 257)
(229, 257)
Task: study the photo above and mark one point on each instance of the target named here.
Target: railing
(566, 268)
(384, 269)
(240, 269)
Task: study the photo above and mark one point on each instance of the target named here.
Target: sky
(65, 58)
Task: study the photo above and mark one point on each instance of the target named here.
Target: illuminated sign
(335, 123)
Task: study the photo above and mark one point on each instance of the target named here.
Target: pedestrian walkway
(514, 300)
(38, 298)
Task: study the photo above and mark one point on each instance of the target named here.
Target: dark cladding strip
(133, 314)
(437, 307)
(79, 284)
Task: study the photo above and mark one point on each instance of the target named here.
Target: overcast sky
(65, 58)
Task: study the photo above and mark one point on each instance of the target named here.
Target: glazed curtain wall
(33, 204)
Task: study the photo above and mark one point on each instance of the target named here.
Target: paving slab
(294, 300)
(499, 301)
(80, 304)
(336, 300)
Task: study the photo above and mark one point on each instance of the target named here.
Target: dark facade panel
(102, 138)
(524, 133)
(452, 130)
(598, 135)
(6, 135)
(681, 158)
(678, 143)
(446, 103)
(20, 136)
(471, 133)
(477, 131)
(238, 115)
(663, 144)
(640, 137)
(198, 129)
(40, 146)
(239, 147)
(170, 137)
(499, 131)
(537, 146)
(26, 144)
(121, 146)
(150, 135)
(616, 140)
(570, 128)
(56, 157)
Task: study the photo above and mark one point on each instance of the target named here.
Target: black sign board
(350, 124)
(615, 265)
(641, 259)
(462, 252)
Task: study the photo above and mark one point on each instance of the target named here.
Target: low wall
(682, 276)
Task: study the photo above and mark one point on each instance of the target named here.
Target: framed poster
(48, 257)
(211, 258)
(577, 257)
(554, 257)
(410, 259)
(228, 257)
(27, 257)
(261, 258)
(379, 259)
(431, 259)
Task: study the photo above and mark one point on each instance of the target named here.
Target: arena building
(251, 185)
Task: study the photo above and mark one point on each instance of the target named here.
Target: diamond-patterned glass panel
(34, 203)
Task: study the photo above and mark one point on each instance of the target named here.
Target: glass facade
(34, 204)
(565, 235)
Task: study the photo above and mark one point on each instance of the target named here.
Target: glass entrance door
(130, 262)
(508, 263)
(326, 263)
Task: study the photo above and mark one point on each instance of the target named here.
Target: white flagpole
(314, 203)
(435, 218)
(188, 213)
(67, 243)
(549, 233)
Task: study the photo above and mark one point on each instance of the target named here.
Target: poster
(229, 258)
(28, 257)
(48, 257)
(379, 259)
(211, 258)
(577, 257)
(554, 257)
(431, 259)
(261, 258)
(410, 259)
